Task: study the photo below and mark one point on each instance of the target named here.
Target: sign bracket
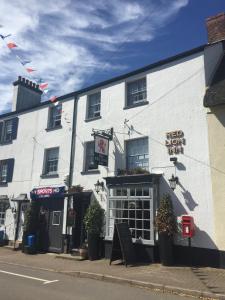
(107, 133)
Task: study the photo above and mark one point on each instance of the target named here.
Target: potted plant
(93, 222)
(76, 189)
(166, 225)
(30, 228)
(83, 251)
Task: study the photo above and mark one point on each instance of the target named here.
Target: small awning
(21, 198)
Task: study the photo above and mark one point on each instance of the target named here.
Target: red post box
(188, 229)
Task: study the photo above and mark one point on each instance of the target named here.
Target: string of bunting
(44, 86)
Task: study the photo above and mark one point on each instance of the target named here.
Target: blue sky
(73, 44)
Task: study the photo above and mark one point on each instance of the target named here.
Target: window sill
(49, 175)
(53, 128)
(93, 119)
(136, 105)
(90, 172)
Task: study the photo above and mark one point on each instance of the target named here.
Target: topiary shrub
(165, 220)
(94, 218)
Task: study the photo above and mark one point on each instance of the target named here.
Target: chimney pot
(216, 28)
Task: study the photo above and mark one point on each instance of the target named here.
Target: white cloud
(69, 41)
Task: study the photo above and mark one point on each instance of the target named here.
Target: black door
(52, 209)
(81, 201)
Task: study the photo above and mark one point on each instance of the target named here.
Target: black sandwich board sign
(122, 246)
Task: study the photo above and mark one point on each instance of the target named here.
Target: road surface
(23, 283)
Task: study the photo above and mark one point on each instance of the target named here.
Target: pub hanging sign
(101, 153)
(175, 142)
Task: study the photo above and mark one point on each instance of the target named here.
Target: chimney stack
(216, 28)
(26, 94)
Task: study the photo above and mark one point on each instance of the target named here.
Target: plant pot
(166, 249)
(93, 246)
(83, 253)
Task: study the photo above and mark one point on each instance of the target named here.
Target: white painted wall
(175, 93)
(28, 152)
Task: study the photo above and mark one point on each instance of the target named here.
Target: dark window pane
(146, 204)
(147, 235)
(136, 151)
(89, 158)
(147, 214)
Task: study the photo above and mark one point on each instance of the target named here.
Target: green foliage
(31, 218)
(94, 218)
(135, 171)
(76, 189)
(165, 221)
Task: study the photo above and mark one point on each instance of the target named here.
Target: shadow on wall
(201, 239)
(206, 255)
(189, 201)
(118, 154)
(179, 209)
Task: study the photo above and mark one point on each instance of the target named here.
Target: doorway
(81, 202)
(50, 224)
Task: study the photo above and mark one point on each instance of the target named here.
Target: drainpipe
(71, 170)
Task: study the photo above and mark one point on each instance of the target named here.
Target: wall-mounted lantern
(99, 186)
(173, 182)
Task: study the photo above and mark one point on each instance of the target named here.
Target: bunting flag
(4, 36)
(43, 86)
(53, 99)
(25, 62)
(30, 70)
(11, 45)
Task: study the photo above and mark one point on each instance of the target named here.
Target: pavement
(198, 282)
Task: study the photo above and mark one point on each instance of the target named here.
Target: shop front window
(132, 205)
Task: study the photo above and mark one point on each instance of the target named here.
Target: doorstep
(69, 257)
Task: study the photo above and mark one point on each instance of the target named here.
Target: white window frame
(47, 160)
(53, 215)
(139, 96)
(55, 118)
(96, 110)
(2, 214)
(145, 155)
(116, 209)
(3, 171)
(7, 131)
(85, 168)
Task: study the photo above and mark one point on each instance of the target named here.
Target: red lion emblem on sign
(101, 146)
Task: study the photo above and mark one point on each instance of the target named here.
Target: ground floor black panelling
(182, 255)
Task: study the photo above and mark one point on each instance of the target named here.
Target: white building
(156, 113)
(35, 153)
